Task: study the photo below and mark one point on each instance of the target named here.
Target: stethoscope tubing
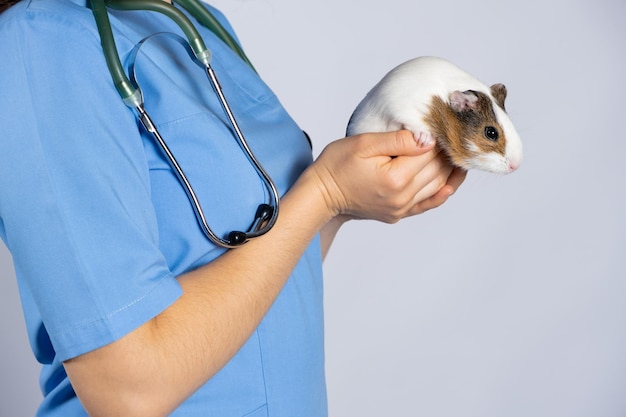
(265, 177)
(266, 214)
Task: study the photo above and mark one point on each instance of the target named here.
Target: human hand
(384, 176)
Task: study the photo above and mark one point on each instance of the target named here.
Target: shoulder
(45, 28)
(63, 13)
(49, 48)
(34, 26)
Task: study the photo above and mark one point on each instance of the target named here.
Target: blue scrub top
(97, 223)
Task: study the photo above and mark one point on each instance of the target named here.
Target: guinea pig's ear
(498, 91)
(461, 101)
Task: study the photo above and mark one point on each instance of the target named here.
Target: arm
(223, 302)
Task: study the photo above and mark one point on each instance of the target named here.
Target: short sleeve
(75, 197)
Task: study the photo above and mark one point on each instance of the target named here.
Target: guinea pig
(436, 100)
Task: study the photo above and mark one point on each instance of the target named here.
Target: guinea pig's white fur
(402, 100)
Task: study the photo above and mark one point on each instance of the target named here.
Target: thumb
(397, 143)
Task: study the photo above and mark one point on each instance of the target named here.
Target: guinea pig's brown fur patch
(457, 131)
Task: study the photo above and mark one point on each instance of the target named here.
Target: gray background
(510, 299)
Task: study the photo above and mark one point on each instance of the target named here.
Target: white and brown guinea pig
(435, 99)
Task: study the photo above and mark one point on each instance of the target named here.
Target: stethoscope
(267, 213)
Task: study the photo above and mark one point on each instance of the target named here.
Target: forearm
(154, 368)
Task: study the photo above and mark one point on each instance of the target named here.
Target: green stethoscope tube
(130, 95)
(160, 6)
(210, 22)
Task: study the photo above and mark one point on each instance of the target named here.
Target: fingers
(454, 181)
(430, 188)
(421, 173)
(392, 144)
(434, 185)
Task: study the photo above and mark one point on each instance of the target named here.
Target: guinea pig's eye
(491, 133)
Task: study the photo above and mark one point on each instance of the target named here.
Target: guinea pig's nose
(513, 165)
